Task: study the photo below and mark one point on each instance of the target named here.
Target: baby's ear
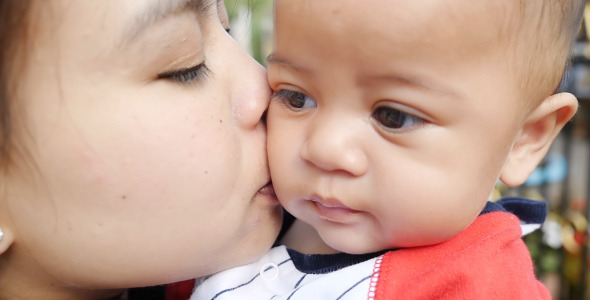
(538, 132)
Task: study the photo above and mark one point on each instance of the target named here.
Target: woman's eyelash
(186, 75)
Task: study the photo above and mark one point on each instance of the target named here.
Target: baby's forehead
(509, 26)
(445, 18)
(442, 31)
(439, 20)
(459, 27)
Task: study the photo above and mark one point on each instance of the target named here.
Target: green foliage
(259, 25)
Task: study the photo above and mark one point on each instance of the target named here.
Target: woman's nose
(252, 94)
(332, 147)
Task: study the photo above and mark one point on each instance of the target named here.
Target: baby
(391, 121)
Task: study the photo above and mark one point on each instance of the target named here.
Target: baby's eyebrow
(271, 58)
(156, 10)
(275, 59)
(422, 83)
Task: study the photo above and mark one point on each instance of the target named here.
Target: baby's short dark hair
(543, 34)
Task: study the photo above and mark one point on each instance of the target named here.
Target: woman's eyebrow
(156, 10)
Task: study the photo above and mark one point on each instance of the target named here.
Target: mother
(133, 151)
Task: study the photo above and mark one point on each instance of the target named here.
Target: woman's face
(143, 151)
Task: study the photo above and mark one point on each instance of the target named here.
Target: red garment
(488, 260)
(180, 290)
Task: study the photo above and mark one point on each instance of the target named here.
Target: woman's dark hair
(13, 36)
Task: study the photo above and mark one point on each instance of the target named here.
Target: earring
(1, 234)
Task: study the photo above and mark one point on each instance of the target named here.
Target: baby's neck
(303, 238)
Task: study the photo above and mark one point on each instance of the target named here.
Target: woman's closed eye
(187, 75)
(392, 119)
(294, 100)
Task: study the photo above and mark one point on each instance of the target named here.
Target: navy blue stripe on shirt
(299, 281)
(245, 283)
(352, 287)
(288, 298)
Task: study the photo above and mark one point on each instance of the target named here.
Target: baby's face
(390, 121)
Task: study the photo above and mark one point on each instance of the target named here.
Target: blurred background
(561, 249)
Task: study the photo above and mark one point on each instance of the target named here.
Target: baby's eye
(391, 118)
(294, 100)
(186, 75)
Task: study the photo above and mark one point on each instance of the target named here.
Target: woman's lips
(333, 210)
(268, 192)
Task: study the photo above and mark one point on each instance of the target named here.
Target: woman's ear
(538, 132)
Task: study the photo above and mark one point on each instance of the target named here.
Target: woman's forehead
(149, 12)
